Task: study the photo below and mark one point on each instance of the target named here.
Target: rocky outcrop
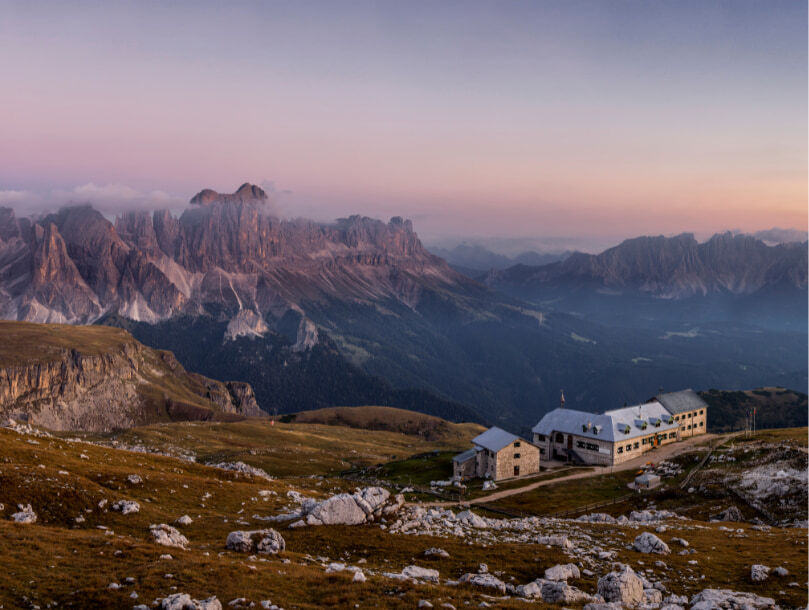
(727, 599)
(100, 378)
(364, 506)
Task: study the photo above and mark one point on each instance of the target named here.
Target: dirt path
(658, 455)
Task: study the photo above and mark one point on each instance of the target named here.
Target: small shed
(647, 480)
(464, 465)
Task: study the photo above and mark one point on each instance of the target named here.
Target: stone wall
(692, 423)
(506, 460)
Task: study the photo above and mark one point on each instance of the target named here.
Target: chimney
(562, 400)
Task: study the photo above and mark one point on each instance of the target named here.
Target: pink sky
(566, 118)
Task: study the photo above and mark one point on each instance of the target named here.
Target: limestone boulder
(486, 581)
(649, 543)
(622, 586)
(168, 536)
(709, 599)
(266, 541)
(562, 572)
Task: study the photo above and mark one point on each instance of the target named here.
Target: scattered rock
(562, 593)
(134, 479)
(436, 552)
(363, 506)
(781, 571)
(168, 536)
(680, 541)
(266, 541)
(184, 520)
(560, 541)
(649, 543)
(359, 576)
(489, 485)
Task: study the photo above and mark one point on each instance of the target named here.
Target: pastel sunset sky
(531, 118)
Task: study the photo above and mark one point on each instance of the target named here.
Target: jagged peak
(246, 192)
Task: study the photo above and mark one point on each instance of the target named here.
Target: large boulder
(649, 543)
(560, 541)
(709, 599)
(266, 541)
(168, 536)
(622, 586)
(420, 574)
(467, 516)
(562, 572)
(183, 601)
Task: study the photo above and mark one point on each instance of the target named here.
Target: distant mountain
(100, 379)
(774, 407)
(674, 267)
(358, 312)
(475, 260)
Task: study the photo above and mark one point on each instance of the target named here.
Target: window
(516, 471)
(629, 447)
(643, 441)
(516, 456)
(689, 426)
(701, 411)
(540, 438)
(690, 415)
(677, 418)
(541, 451)
(591, 446)
(672, 435)
(637, 445)
(516, 443)
(701, 424)
(620, 449)
(560, 438)
(580, 444)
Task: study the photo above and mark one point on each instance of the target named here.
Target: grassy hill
(411, 423)
(300, 448)
(776, 407)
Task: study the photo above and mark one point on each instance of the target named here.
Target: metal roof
(682, 401)
(612, 426)
(647, 477)
(494, 439)
(466, 455)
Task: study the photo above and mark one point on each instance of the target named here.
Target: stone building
(622, 434)
(497, 455)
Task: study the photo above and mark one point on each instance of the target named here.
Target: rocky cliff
(100, 378)
(226, 254)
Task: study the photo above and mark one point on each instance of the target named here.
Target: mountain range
(359, 312)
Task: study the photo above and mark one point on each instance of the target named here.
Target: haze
(491, 119)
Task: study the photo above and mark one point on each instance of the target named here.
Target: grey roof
(647, 477)
(494, 439)
(611, 426)
(466, 455)
(682, 401)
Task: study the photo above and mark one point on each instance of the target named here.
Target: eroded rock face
(562, 593)
(731, 513)
(168, 536)
(649, 543)
(267, 541)
(622, 586)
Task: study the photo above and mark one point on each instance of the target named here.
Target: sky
(495, 119)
